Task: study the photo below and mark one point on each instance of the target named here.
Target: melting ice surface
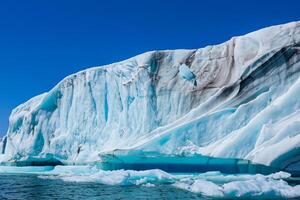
(210, 184)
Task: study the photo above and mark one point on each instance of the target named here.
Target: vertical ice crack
(105, 100)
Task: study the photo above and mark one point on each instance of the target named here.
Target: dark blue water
(23, 186)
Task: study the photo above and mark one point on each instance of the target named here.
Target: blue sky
(41, 42)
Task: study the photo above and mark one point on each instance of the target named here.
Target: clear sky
(43, 41)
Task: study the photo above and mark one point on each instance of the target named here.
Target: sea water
(30, 186)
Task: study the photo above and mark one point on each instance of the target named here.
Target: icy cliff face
(239, 99)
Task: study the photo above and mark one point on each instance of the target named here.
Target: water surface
(29, 186)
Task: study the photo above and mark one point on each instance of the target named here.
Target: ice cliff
(239, 99)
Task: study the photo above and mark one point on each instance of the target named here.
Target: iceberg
(238, 101)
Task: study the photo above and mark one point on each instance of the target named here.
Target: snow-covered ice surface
(239, 99)
(210, 184)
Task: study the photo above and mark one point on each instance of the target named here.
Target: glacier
(238, 100)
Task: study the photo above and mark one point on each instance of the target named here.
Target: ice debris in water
(245, 186)
(211, 184)
(116, 177)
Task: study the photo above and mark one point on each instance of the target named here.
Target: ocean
(30, 186)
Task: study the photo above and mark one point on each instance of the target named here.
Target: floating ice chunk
(204, 187)
(117, 177)
(280, 175)
(210, 184)
(85, 169)
(22, 170)
(260, 187)
(241, 186)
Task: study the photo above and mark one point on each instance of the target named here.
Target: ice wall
(239, 99)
